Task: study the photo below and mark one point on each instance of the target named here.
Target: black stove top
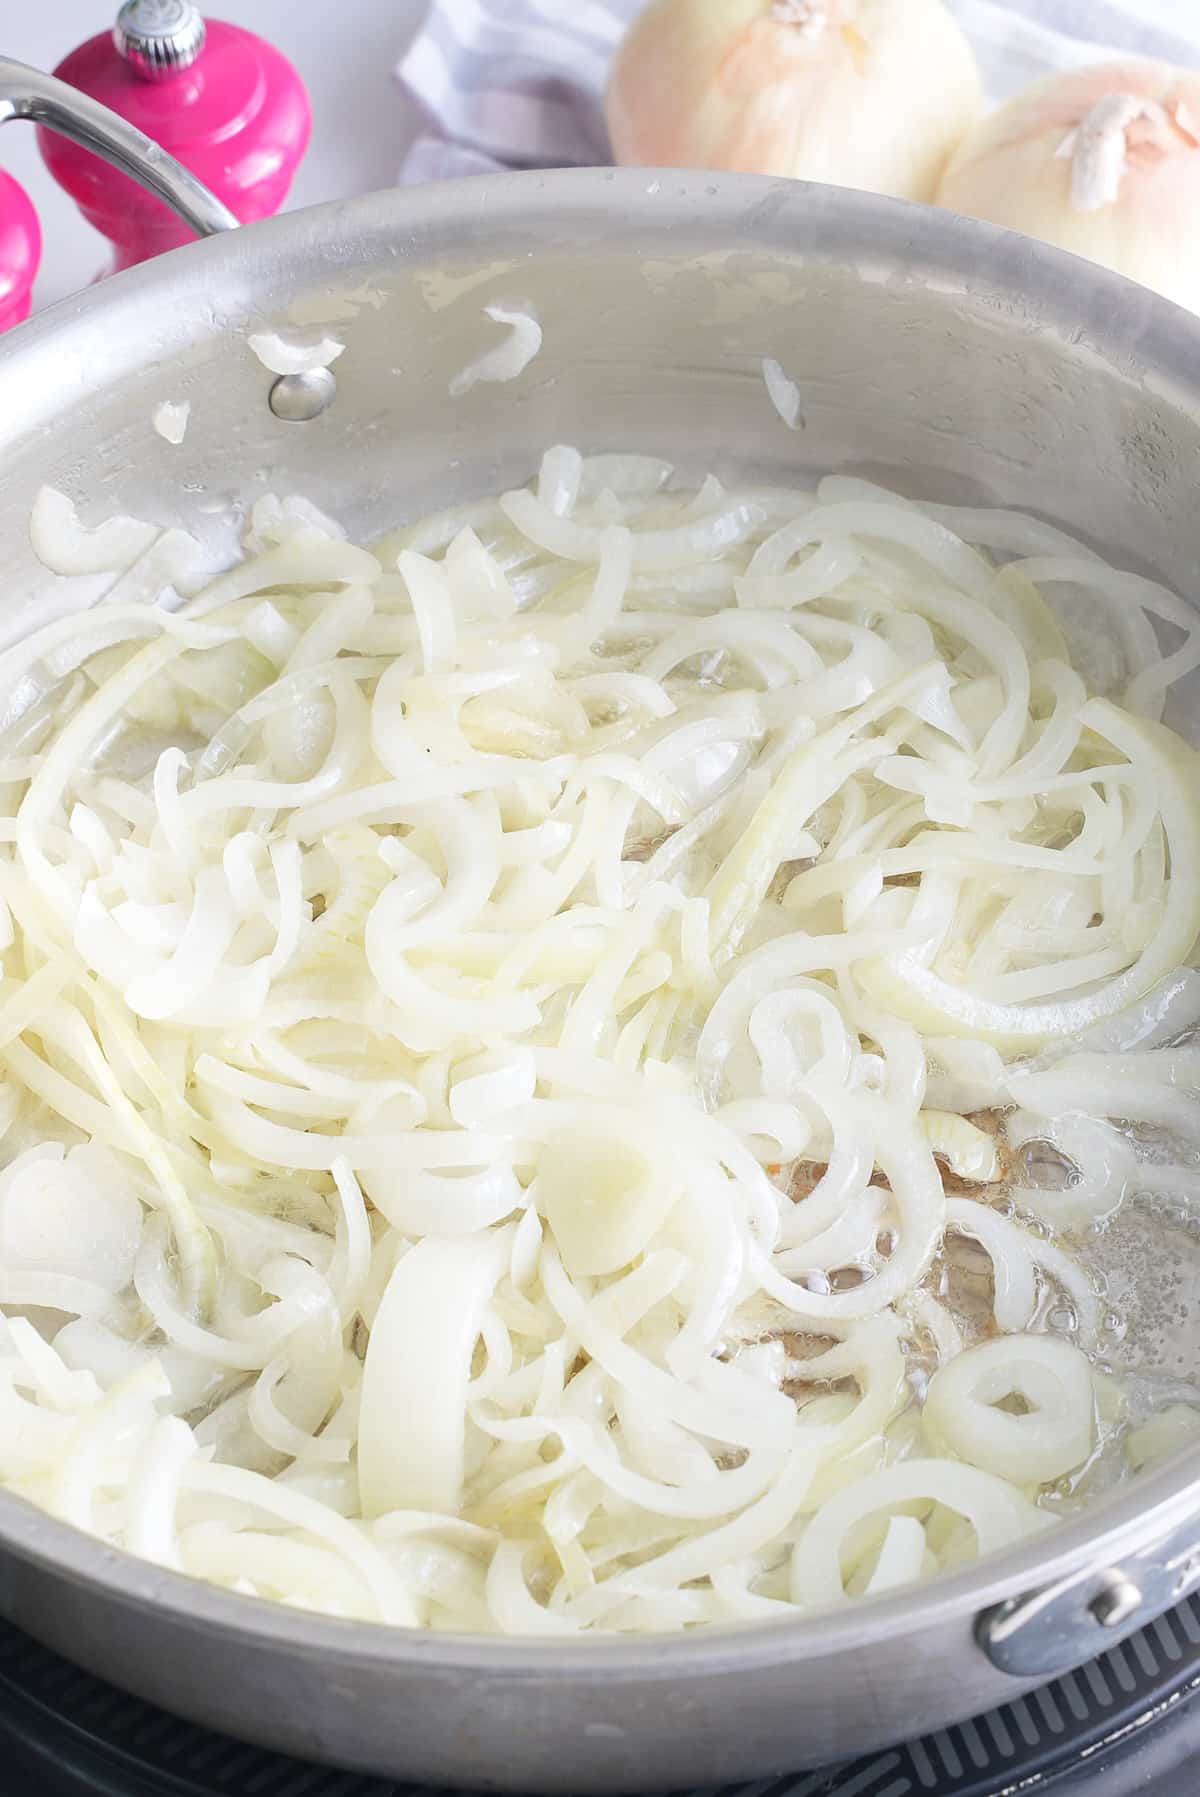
(1128, 1723)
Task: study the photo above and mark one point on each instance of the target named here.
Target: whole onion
(1103, 161)
(823, 90)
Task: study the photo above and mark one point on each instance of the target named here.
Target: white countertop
(345, 52)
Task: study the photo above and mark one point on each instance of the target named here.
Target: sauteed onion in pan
(565, 1072)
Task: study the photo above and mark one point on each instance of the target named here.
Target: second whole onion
(1103, 161)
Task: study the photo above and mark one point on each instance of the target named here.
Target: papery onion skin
(1019, 167)
(820, 90)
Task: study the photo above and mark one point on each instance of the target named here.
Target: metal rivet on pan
(298, 397)
(1117, 1602)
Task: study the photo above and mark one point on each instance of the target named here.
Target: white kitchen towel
(520, 83)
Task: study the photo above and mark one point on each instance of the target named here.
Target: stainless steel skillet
(955, 360)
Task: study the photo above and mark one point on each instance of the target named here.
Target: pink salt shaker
(222, 101)
(20, 251)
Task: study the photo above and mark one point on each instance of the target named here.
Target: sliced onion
(411, 1426)
(1054, 1435)
(283, 355)
(68, 547)
(508, 359)
(997, 1513)
(508, 1012)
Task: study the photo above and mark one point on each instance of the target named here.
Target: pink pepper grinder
(222, 101)
(20, 251)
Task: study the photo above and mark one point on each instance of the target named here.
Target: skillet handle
(26, 93)
(1045, 1633)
